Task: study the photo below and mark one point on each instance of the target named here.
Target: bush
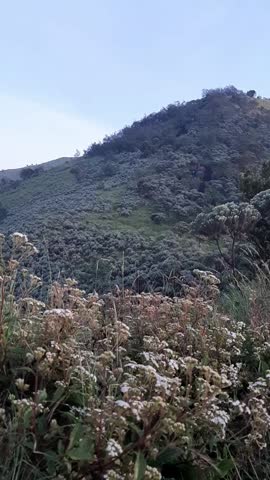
(158, 218)
(29, 172)
(231, 220)
(129, 386)
(253, 182)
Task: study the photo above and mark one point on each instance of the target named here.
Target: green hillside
(122, 212)
(15, 173)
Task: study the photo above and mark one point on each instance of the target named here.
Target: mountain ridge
(122, 212)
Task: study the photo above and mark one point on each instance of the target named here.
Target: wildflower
(71, 282)
(152, 473)
(30, 249)
(112, 475)
(19, 239)
(190, 362)
(50, 357)
(122, 404)
(23, 404)
(29, 357)
(2, 415)
(220, 418)
(58, 313)
(23, 387)
(13, 264)
(125, 388)
(39, 353)
(106, 358)
(34, 280)
(172, 427)
(54, 425)
(61, 384)
(113, 448)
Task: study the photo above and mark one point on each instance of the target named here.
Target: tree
(231, 220)
(251, 93)
(158, 218)
(27, 173)
(255, 181)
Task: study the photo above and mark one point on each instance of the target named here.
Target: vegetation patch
(131, 386)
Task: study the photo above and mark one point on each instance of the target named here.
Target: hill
(121, 213)
(15, 173)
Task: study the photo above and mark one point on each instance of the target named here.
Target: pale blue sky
(74, 70)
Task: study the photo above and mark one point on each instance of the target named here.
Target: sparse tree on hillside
(251, 93)
(27, 173)
(231, 220)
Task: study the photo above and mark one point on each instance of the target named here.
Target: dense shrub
(3, 212)
(29, 172)
(255, 181)
(131, 386)
(231, 220)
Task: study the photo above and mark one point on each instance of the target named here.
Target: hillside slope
(121, 213)
(15, 173)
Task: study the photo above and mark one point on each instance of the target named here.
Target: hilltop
(121, 213)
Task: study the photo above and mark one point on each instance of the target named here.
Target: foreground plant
(128, 386)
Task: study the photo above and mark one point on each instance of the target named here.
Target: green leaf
(140, 466)
(42, 397)
(42, 425)
(136, 429)
(75, 436)
(169, 456)
(60, 447)
(225, 466)
(76, 398)
(59, 392)
(27, 418)
(84, 452)
(263, 367)
(52, 462)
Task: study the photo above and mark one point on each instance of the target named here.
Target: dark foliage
(3, 212)
(254, 181)
(251, 93)
(29, 172)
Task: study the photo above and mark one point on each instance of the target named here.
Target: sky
(74, 71)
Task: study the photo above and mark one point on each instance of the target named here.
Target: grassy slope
(51, 183)
(60, 181)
